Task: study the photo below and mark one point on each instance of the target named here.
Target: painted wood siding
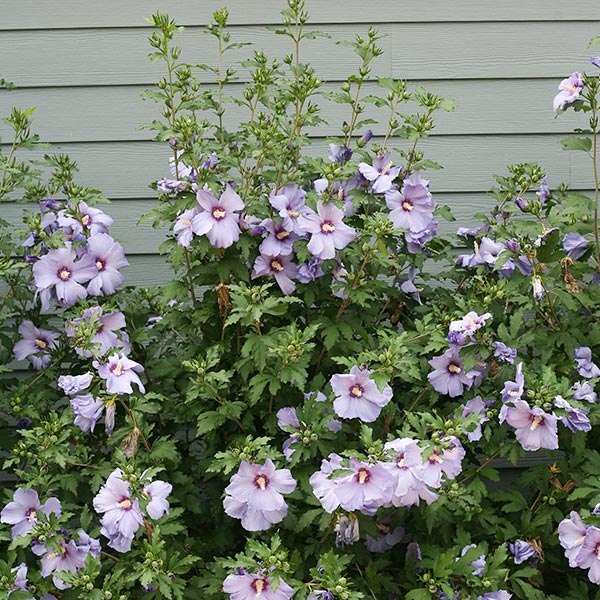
(84, 64)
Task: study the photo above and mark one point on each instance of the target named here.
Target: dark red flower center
(536, 421)
(260, 585)
(116, 369)
(64, 274)
(125, 503)
(356, 391)
(363, 475)
(407, 205)
(218, 213)
(100, 264)
(435, 457)
(327, 227)
(261, 481)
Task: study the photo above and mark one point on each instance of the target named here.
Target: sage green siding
(84, 64)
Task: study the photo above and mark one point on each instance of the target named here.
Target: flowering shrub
(322, 402)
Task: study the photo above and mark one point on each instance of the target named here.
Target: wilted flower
(585, 367)
(522, 551)
(576, 419)
(503, 353)
(310, 270)
(346, 531)
(87, 410)
(583, 390)
(71, 384)
(575, 245)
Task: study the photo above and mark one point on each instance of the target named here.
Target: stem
(186, 256)
(389, 127)
(417, 399)
(135, 425)
(596, 182)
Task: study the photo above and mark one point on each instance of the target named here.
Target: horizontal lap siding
(84, 65)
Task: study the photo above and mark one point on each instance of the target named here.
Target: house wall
(84, 64)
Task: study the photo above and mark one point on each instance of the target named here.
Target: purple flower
(499, 595)
(323, 486)
(513, 390)
(571, 533)
(569, 90)
(583, 390)
(585, 367)
(86, 219)
(255, 495)
(105, 339)
(475, 406)
(71, 384)
(534, 428)
(448, 376)
(366, 488)
(280, 267)
(59, 272)
(219, 219)
(411, 207)
(575, 245)
(120, 372)
(250, 586)
(408, 285)
(576, 419)
(87, 411)
(22, 512)
(171, 186)
(470, 323)
(588, 556)
(122, 515)
(289, 201)
(415, 240)
(595, 60)
(327, 230)
(157, 491)
(183, 226)
(381, 174)
(478, 564)
(386, 540)
(311, 270)
(406, 472)
(357, 395)
(503, 353)
(108, 257)
(67, 558)
(522, 551)
(279, 241)
(35, 345)
(339, 154)
(446, 462)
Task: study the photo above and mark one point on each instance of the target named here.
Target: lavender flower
(323, 486)
(250, 586)
(108, 257)
(157, 491)
(478, 564)
(280, 267)
(71, 384)
(588, 556)
(279, 241)
(120, 372)
(585, 367)
(521, 551)
(469, 324)
(311, 270)
(575, 245)
(289, 201)
(122, 514)
(534, 428)
(381, 174)
(366, 488)
(183, 226)
(446, 462)
(503, 353)
(513, 390)
(576, 419)
(357, 395)
(569, 90)
(22, 512)
(499, 595)
(583, 390)
(67, 558)
(416, 240)
(571, 533)
(20, 579)
(255, 495)
(35, 345)
(105, 339)
(475, 406)
(58, 272)
(87, 411)
(220, 218)
(411, 207)
(327, 230)
(448, 376)
(386, 540)
(86, 219)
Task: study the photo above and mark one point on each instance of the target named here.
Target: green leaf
(419, 594)
(577, 143)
